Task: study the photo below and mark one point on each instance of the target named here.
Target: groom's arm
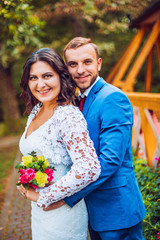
(110, 159)
(115, 137)
(113, 142)
(110, 163)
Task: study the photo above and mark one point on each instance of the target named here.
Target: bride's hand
(29, 193)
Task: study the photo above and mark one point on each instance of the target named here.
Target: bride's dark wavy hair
(67, 92)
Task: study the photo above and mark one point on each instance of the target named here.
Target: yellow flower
(26, 160)
(41, 158)
(41, 178)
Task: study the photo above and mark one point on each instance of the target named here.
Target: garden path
(15, 215)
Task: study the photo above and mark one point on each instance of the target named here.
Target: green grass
(2, 127)
(7, 157)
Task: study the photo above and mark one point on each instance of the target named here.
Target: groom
(114, 202)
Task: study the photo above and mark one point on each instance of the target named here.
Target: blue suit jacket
(114, 200)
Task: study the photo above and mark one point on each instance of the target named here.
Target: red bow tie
(81, 103)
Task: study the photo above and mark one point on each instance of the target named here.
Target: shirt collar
(86, 92)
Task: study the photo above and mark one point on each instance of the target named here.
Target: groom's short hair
(79, 42)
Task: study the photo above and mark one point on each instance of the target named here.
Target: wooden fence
(146, 129)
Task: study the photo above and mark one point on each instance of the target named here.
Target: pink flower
(21, 171)
(157, 159)
(30, 173)
(34, 186)
(23, 178)
(48, 171)
(50, 178)
(158, 235)
(31, 176)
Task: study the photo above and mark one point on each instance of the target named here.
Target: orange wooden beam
(149, 137)
(149, 70)
(158, 52)
(145, 100)
(130, 53)
(112, 73)
(137, 37)
(130, 79)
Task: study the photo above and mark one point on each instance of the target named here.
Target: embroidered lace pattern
(67, 142)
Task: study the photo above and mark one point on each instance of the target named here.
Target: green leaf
(26, 186)
(18, 184)
(34, 182)
(18, 165)
(33, 154)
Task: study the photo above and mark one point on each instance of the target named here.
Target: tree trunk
(10, 108)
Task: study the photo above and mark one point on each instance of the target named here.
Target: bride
(57, 130)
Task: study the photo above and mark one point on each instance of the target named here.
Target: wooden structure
(148, 25)
(146, 130)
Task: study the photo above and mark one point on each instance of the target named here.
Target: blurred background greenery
(27, 25)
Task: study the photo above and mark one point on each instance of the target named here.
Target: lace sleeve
(85, 168)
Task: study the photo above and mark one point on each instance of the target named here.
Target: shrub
(149, 183)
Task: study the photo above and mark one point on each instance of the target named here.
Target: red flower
(48, 171)
(33, 186)
(30, 173)
(21, 171)
(50, 178)
(23, 178)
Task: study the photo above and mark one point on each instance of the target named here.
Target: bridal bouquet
(34, 171)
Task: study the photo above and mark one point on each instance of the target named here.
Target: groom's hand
(55, 205)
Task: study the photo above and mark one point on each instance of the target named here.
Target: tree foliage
(106, 22)
(20, 30)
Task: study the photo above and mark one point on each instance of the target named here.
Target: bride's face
(44, 82)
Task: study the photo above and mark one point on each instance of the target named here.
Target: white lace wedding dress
(65, 142)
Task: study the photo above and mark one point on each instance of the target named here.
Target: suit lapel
(92, 95)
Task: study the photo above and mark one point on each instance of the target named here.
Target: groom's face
(83, 65)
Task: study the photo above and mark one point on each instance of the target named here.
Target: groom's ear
(99, 63)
